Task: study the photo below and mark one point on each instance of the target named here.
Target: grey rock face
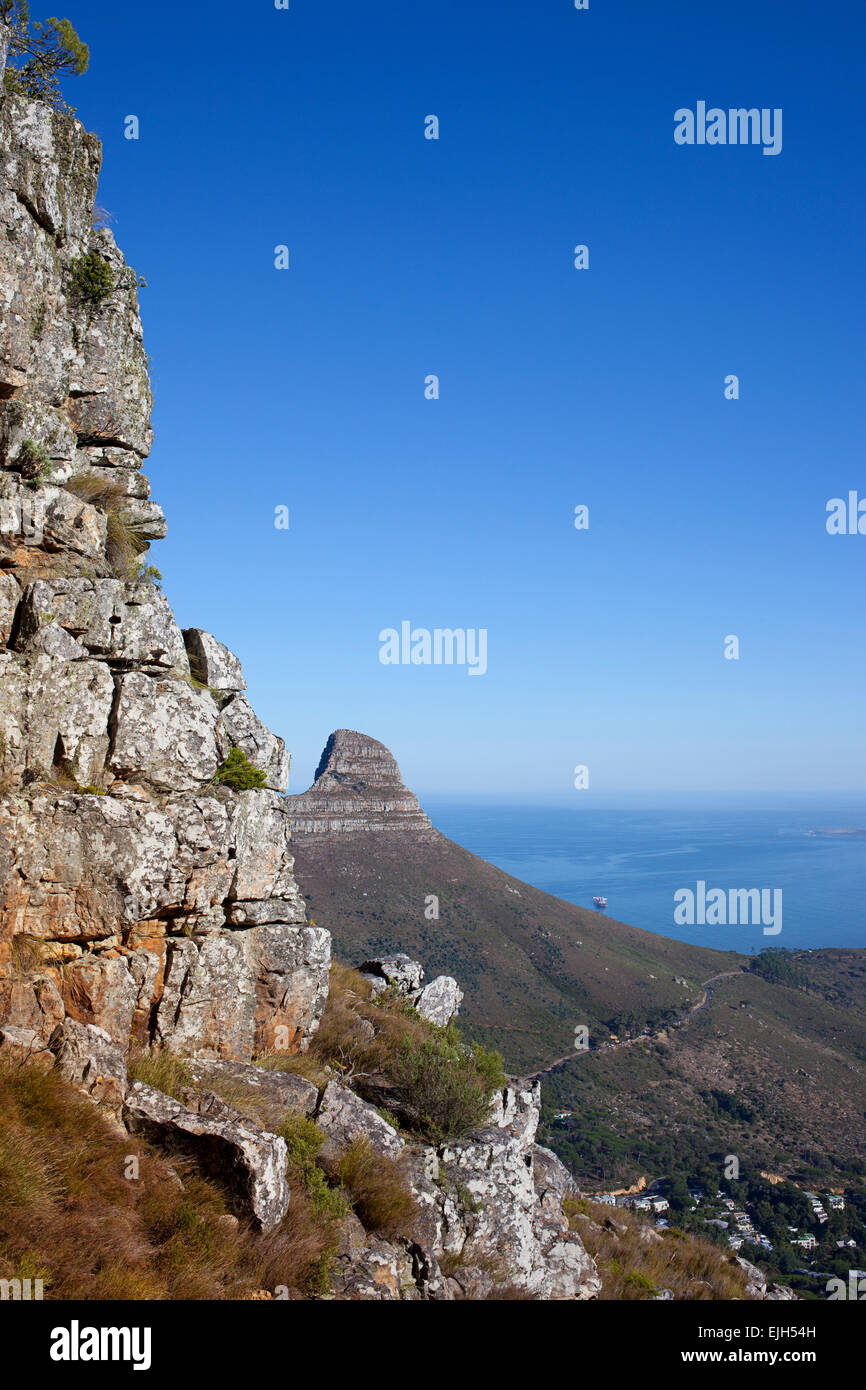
(290, 968)
(495, 1199)
(83, 865)
(10, 597)
(249, 1160)
(165, 733)
(259, 837)
(208, 1003)
(54, 714)
(236, 994)
(127, 624)
(72, 376)
(265, 750)
(214, 665)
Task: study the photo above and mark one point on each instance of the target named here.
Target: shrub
(239, 773)
(45, 50)
(303, 1142)
(92, 279)
(146, 574)
(33, 462)
(447, 1086)
(379, 1191)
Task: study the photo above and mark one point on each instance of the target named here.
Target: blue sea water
(638, 858)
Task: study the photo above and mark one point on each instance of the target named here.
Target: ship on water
(600, 902)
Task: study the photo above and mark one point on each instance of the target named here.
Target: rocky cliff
(136, 893)
(148, 904)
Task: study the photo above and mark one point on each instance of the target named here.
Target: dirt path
(707, 987)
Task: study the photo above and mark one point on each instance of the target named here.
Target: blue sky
(305, 387)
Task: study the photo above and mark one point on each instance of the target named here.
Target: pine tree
(44, 52)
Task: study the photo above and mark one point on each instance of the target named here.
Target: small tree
(44, 52)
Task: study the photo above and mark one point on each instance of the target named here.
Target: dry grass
(634, 1269)
(162, 1070)
(379, 1191)
(69, 1215)
(125, 543)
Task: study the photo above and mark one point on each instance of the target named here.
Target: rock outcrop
(438, 1002)
(358, 787)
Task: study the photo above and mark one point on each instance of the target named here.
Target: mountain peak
(358, 787)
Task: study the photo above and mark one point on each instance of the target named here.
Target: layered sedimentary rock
(136, 894)
(358, 787)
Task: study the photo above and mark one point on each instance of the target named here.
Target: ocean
(638, 859)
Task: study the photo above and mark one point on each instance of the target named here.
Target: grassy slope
(794, 1058)
(792, 1063)
(513, 949)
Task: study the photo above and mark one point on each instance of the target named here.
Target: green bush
(239, 773)
(446, 1086)
(43, 52)
(33, 461)
(303, 1141)
(92, 279)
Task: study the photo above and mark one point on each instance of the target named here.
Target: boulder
(439, 1001)
(274, 1094)
(54, 640)
(345, 1118)
(90, 1061)
(400, 971)
(250, 1161)
(25, 1046)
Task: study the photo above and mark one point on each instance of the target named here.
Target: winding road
(707, 987)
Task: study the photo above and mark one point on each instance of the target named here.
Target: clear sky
(558, 387)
